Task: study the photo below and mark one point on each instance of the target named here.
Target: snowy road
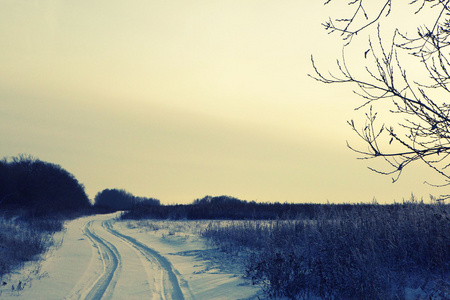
(157, 271)
(110, 258)
(168, 286)
(100, 258)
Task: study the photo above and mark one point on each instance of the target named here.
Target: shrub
(22, 240)
(367, 252)
(114, 200)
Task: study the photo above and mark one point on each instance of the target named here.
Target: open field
(372, 252)
(365, 251)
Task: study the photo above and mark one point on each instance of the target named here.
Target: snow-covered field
(98, 257)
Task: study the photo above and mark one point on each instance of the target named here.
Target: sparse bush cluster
(114, 200)
(22, 240)
(368, 252)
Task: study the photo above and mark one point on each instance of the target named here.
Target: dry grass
(369, 252)
(172, 227)
(23, 240)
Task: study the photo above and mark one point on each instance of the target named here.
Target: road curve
(97, 257)
(170, 283)
(117, 252)
(110, 259)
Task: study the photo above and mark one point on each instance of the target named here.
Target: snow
(100, 257)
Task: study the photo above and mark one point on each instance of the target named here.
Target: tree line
(41, 188)
(231, 208)
(119, 199)
(38, 188)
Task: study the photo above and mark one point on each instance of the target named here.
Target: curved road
(95, 257)
(127, 264)
(110, 258)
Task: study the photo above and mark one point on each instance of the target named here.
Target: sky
(180, 99)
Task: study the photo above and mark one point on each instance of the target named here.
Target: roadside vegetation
(36, 198)
(21, 240)
(399, 251)
(327, 251)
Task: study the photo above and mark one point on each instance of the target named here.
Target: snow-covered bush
(22, 240)
(367, 252)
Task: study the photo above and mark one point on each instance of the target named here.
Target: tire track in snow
(171, 288)
(111, 261)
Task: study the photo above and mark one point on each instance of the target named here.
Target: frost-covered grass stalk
(367, 252)
(169, 227)
(22, 240)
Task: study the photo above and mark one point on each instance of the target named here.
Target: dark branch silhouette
(422, 132)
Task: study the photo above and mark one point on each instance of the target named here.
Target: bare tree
(422, 129)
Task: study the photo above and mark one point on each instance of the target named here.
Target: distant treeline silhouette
(39, 187)
(231, 208)
(114, 200)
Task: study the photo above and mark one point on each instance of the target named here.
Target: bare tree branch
(423, 130)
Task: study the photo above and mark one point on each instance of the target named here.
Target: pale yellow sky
(180, 99)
